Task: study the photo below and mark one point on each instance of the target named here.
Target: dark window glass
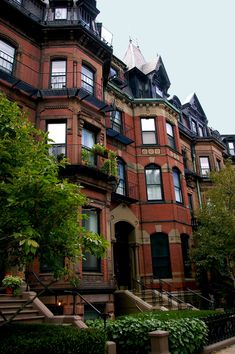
(7, 56)
(200, 130)
(160, 256)
(58, 74)
(153, 182)
(185, 254)
(170, 135)
(91, 263)
(148, 131)
(177, 186)
(88, 79)
(190, 201)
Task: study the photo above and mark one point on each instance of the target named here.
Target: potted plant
(12, 283)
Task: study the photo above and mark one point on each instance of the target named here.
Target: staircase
(9, 305)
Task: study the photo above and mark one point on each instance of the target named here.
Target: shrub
(131, 333)
(49, 339)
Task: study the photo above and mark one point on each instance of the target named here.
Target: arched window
(88, 79)
(185, 255)
(177, 185)
(7, 56)
(153, 182)
(161, 262)
(121, 188)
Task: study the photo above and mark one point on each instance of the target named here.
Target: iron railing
(220, 327)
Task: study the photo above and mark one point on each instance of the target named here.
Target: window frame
(156, 257)
(57, 148)
(114, 121)
(88, 83)
(63, 18)
(12, 62)
(207, 170)
(170, 135)
(194, 126)
(122, 179)
(177, 187)
(159, 185)
(59, 84)
(92, 157)
(86, 268)
(231, 148)
(147, 131)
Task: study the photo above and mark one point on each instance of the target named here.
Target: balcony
(124, 133)
(75, 84)
(126, 192)
(86, 162)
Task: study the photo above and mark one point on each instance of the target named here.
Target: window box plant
(12, 284)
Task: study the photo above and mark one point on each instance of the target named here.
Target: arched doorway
(124, 254)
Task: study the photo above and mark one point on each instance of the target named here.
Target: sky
(196, 40)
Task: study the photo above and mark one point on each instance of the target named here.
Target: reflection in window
(91, 263)
(170, 135)
(58, 74)
(88, 140)
(177, 186)
(153, 182)
(60, 13)
(121, 188)
(88, 79)
(161, 262)
(116, 120)
(7, 54)
(148, 130)
(194, 126)
(205, 166)
(57, 133)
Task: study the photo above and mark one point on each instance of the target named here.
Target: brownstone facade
(64, 75)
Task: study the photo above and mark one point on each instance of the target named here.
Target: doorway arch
(124, 254)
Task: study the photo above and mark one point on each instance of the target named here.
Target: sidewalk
(228, 350)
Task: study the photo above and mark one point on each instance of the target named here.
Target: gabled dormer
(193, 110)
(156, 72)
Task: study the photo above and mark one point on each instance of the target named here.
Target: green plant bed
(188, 333)
(49, 339)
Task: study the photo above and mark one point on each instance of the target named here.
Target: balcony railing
(123, 133)
(126, 190)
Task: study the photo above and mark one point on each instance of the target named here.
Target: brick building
(56, 62)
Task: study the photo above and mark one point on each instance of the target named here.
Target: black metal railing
(75, 293)
(220, 327)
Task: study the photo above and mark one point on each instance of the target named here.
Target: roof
(133, 57)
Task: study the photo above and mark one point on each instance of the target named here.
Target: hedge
(50, 339)
(131, 333)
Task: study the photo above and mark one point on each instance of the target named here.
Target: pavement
(228, 350)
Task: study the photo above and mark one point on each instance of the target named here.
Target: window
(116, 120)
(205, 166)
(177, 186)
(153, 183)
(148, 131)
(185, 159)
(231, 148)
(160, 256)
(194, 126)
(185, 255)
(58, 74)
(121, 188)
(200, 130)
(170, 135)
(60, 13)
(57, 133)
(7, 55)
(113, 72)
(91, 223)
(190, 201)
(88, 140)
(218, 165)
(88, 79)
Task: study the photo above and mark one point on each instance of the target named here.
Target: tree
(214, 239)
(40, 214)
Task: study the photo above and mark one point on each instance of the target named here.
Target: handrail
(46, 287)
(201, 296)
(103, 315)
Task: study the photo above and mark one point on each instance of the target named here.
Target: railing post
(159, 342)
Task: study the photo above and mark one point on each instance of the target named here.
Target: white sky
(196, 41)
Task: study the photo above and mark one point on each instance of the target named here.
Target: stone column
(159, 342)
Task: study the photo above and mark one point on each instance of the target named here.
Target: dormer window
(61, 13)
(113, 72)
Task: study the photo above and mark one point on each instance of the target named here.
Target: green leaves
(39, 212)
